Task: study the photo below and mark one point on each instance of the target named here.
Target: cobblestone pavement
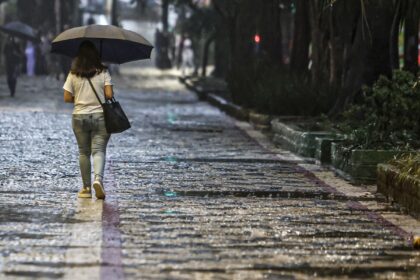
(192, 194)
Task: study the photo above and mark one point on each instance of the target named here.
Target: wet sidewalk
(192, 194)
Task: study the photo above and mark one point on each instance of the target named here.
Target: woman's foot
(99, 189)
(85, 192)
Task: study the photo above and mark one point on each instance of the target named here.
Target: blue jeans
(92, 140)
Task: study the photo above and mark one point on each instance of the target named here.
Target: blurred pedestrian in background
(90, 20)
(13, 57)
(53, 60)
(30, 58)
(187, 56)
(43, 54)
(45, 51)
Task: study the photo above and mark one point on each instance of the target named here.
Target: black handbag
(115, 119)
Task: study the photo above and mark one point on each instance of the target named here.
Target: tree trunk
(355, 53)
(271, 34)
(221, 55)
(165, 10)
(141, 7)
(58, 18)
(367, 52)
(337, 51)
(411, 30)
(333, 49)
(393, 38)
(287, 26)
(232, 41)
(300, 49)
(69, 13)
(318, 43)
(228, 11)
(114, 13)
(206, 49)
(378, 60)
(180, 47)
(162, 54)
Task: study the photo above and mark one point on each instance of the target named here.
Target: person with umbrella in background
(12, 51)
(89, 85)
(13, 58)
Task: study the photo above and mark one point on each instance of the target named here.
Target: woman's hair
(87, 63)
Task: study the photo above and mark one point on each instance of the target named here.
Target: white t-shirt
(85, 101)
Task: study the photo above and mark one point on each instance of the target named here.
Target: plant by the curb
(408, 165)
(388, 117)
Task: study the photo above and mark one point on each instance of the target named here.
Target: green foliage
(408, 165)
(272, 90)
(388, 117)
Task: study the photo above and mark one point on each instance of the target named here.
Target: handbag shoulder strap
(94, 90)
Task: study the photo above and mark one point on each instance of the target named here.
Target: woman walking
(88, 119)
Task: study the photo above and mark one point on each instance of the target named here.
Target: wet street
(192, 194)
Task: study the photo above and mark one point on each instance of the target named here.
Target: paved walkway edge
(401, 224)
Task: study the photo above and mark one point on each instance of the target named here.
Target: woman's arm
(109, 93)
(68, 97)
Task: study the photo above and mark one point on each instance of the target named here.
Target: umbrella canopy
(21, 30)
(116, 45)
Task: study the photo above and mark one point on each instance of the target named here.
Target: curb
(228, 107)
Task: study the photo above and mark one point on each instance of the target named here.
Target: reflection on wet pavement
(190, 196)
(83, 254)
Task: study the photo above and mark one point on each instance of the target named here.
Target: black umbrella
(21, 30)
(116, 45)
